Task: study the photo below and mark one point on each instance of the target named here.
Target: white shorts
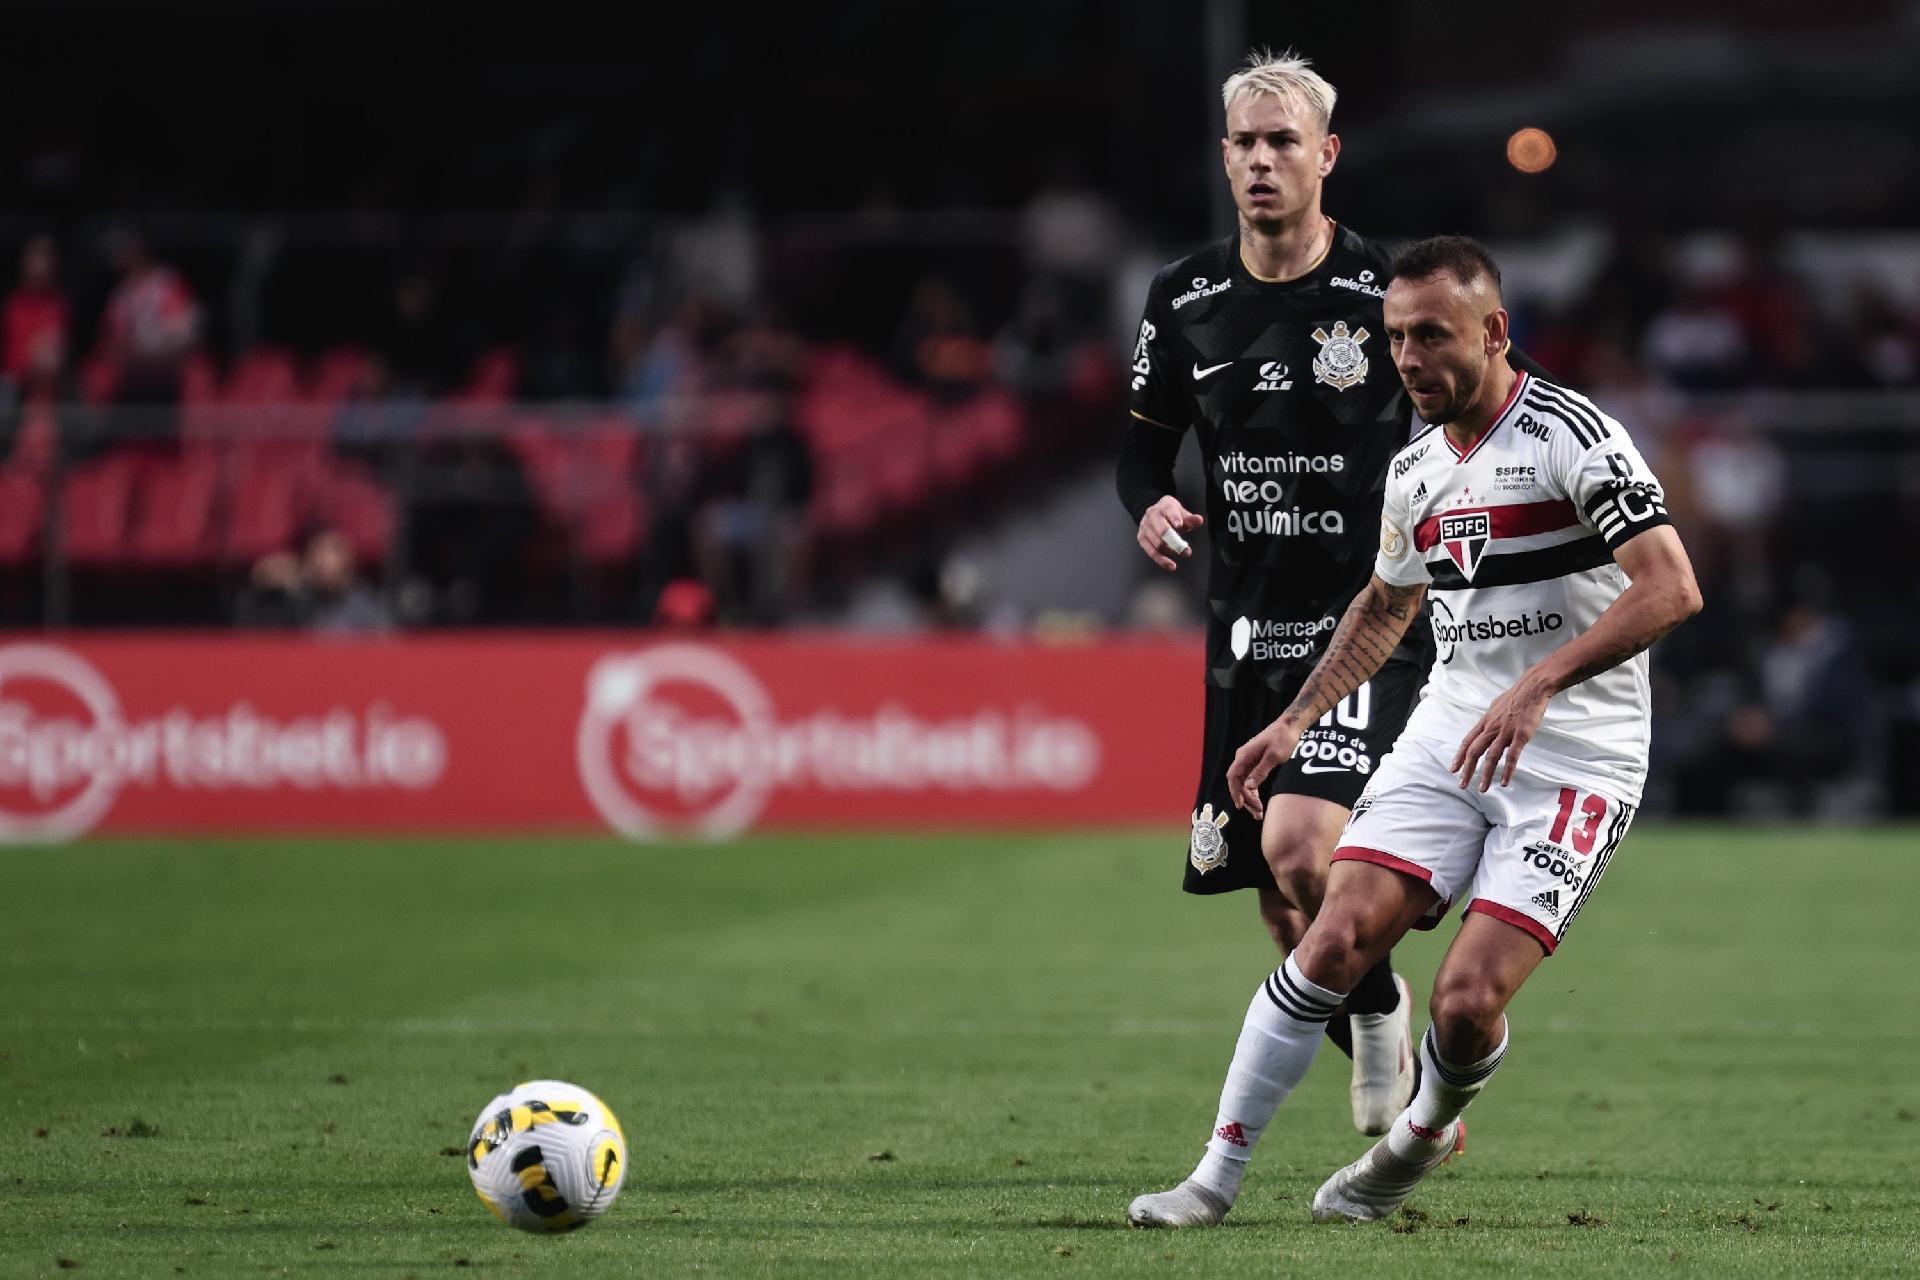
(1529, 853)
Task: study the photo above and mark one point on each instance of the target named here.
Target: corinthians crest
(1208, 848)
(1342, 362)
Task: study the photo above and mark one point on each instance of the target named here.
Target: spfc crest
(1342, 361)
(1208, 848)
(1464, 538)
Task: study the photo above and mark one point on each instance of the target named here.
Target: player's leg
(1312, 796)
(1296, 840)
(1367, 909)
(1543, 858)
(1483, 970)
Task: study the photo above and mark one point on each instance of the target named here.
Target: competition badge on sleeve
(1208, 848)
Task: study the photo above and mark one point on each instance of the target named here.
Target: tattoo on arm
(1366, 637)
(1614, 657)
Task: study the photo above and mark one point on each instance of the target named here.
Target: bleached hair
(1285, 75)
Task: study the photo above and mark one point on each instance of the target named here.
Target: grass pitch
(916, 1055)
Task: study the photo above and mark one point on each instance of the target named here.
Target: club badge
(1208, 848)
(1342, 362)
(1464, 538)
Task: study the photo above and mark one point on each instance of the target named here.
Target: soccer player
(1269, 344)
(1538, 534)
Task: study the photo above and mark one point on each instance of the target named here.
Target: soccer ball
(548, 1156)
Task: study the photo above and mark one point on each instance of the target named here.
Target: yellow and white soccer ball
(548, 1156)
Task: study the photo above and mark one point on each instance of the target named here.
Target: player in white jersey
(1536, 530)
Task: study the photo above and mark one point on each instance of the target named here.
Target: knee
(1299, 869)
(1464, 1006)
(1338, 949)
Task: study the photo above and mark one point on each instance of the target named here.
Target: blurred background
(367, 318)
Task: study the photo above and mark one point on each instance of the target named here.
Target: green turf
(916, 1055)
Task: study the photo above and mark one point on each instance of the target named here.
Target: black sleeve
(1145, 475)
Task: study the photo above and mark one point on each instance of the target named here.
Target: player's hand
(1502, 733)
(1161, 516)
(1261, 755)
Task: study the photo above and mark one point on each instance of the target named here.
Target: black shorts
(1334, 760)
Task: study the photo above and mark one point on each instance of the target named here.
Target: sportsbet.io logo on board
(683, 738)
(68, 749)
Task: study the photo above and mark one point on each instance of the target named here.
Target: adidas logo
(1232, 1132)
(1549, 900)
(1419, 493)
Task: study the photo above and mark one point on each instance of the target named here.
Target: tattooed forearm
(1366, 637)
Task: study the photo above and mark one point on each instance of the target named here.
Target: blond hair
(1284, 75)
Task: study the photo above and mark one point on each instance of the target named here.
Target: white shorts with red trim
(1529, 853)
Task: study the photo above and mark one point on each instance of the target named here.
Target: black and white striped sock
(1283, 1029)
(1445, 1090)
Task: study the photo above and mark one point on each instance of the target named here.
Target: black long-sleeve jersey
(1293, 395)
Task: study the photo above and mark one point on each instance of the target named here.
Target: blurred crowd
(743, 428)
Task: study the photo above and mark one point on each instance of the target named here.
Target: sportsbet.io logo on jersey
(1450, 632)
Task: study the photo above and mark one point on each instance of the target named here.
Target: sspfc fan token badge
(1342, 361)
(1208, 848)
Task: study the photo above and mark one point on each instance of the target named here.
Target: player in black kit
(1271, 347)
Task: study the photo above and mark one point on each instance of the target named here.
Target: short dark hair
(1463, 258)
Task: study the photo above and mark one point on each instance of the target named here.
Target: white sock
(1445, 1090)
(1285, 1023)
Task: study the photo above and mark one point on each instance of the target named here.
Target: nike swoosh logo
(1326, 768)
(1199, 373)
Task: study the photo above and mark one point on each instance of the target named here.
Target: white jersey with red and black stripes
(1515, 538)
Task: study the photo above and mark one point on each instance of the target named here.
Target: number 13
(1594, 807)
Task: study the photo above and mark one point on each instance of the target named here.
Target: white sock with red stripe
(1446, 1088)
(1284, 1027)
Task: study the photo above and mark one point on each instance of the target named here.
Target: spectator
(419, 345)
(321, 591)
(1696, 344)
(752, 536)
(150, 327)
(273, 596)
(376, 423)
(33, 348)
(33, 341)
(937, 346)
(471, 520)
(336, 599)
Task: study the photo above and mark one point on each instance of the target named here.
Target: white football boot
(1382, 1064)
(1377, 1183)
(1187, 1205)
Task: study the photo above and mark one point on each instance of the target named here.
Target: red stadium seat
(334, 375)
(346, 496)
(22, 498)
(172, 523)
(95, 505)
(493, 379)
(263, 508)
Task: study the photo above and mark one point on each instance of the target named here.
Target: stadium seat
(172, 522)
(334, 375)
(263, 504)
(96, 502)
(22, 497)
(347, 496)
